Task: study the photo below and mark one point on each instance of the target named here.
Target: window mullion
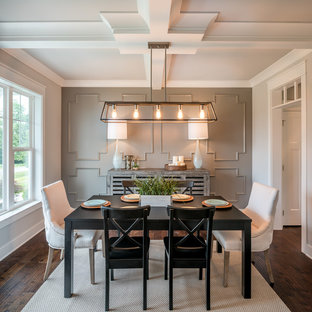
(10, 153)
(5, 186)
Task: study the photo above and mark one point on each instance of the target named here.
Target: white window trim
(15, 79)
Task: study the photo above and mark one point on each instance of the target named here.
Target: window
(17, 143)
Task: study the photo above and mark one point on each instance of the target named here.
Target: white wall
(260, 147)
(15, 234)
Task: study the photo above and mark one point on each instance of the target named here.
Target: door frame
(275, 145)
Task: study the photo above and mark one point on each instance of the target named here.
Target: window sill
(18, 213)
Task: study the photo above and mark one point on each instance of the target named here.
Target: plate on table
(95, 203)
(218, 203)
(182, 197)
(130, 198)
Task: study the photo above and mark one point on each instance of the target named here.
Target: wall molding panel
(77, 127)
(230, 144)
(87, 154)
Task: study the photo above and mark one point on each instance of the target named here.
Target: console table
(200, 177)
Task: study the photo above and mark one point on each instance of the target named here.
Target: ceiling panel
(95, 64)
(253, 10)
(60, 10)
(223, 64)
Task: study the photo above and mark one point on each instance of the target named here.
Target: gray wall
(87, 155)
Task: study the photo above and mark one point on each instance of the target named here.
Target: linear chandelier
(162, 112)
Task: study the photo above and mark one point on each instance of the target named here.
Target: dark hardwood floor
(21, 273)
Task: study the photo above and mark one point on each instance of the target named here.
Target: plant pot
(156, 200)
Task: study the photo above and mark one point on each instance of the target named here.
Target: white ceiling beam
(141, 47)
(158, 68)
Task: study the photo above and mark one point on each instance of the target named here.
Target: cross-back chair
(125, 251)
(190, 250)
(128, 186)
(187, 185)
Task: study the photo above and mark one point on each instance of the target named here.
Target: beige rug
(126, 290)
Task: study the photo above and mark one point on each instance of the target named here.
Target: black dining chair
(190, 250)
(128, 186)
(187, 185)
(125, 251)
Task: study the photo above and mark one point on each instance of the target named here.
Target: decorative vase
(117, 159)
(156, 200)
(197, 160)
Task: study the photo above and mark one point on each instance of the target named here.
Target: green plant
(156, 186)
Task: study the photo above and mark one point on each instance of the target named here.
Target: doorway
(288, 149)
(291, 165)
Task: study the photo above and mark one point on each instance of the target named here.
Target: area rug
(126, 290)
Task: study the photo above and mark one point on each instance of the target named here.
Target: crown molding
(33, 63)
(106, 83)
(281, 64)
(208, 84)
(146, 84)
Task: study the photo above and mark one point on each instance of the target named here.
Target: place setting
(218, 203)
(95, 204)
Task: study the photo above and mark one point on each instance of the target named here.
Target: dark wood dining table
(224, 219)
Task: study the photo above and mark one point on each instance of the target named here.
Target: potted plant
(156, 191)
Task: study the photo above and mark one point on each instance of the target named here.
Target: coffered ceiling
(104, 43)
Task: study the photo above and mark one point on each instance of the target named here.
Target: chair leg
(49, 262)
(106, 288)
(207, 277)
(200, 275)
(252, 258)
(145, 274)
(166, 266)
(103, 245)
(268, 266)
(62, 254)
(91, 260)
(170, 287)
(226, 268)
(112, 275)
(147, 267)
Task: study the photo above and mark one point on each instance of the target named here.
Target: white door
(291, 188)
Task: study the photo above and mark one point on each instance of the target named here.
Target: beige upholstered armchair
(261, 209)
(55, 208)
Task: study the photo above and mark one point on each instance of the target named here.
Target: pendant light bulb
(180, 112)
(136, 112)
(158, 113)
(202, 112)
(114, 112)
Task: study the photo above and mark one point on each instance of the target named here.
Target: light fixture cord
(165, 74)
(151, 74)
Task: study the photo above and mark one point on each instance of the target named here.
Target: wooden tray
(217, 207)
(184, 200)
(129, 200)
(96, 207)
(175, 168)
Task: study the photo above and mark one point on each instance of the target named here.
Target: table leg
(246, 260)
(68, 260)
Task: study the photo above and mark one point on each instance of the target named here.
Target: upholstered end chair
(261, 209)
(56, 207)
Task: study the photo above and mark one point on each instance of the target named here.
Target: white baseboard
(21, 239)
(307, 250)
